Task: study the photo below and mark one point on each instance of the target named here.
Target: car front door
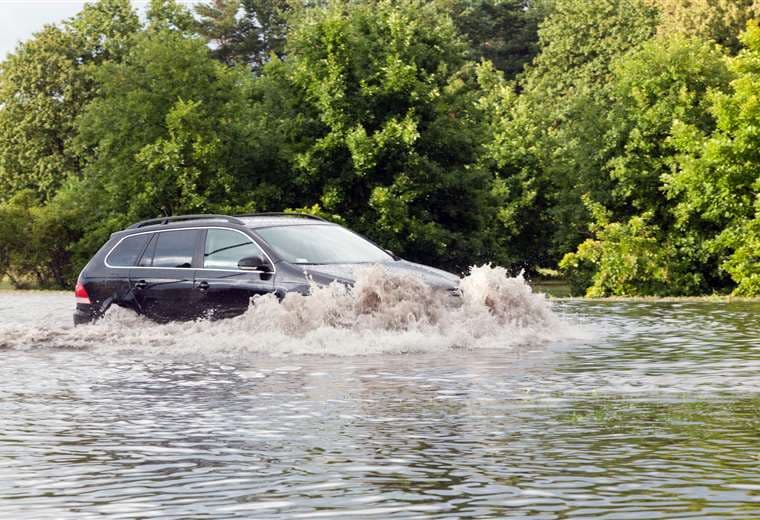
(227, 290)
(163, 281)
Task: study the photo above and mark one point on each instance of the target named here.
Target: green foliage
(519, 230)
(35, 241)
(12, 223)
(627, 258)
(665, 81)
(44, 86)
(718, 180)
(663, 85)
(383, 118)
(169, 15)
(580, 39)
(504, 32)
(718, 20)
(453, 131)
(169, 132)
(244, 31)
(568, 90)
(744, 262)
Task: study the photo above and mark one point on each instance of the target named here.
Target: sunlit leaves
(719, 180)
(718, 20)
(394, 133)
(170, 131)
(44, 86)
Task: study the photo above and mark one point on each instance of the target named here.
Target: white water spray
(381, 313)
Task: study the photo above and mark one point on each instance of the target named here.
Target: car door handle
(203, 286)
(142, 284)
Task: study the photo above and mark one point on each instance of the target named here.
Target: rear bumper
(83, 314)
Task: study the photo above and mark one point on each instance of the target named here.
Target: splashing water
(651, 413)
(381, 313)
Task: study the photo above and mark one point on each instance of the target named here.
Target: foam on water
(381, 313)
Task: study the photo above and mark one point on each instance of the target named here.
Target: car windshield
(321, 244)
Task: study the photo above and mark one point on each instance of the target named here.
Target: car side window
(128, 251)
(147, 257)
(225, 248)
(175, 248)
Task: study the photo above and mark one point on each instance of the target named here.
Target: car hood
(345, 273)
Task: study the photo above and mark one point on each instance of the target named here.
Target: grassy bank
(712, 298)
(554, 288)
(6, 285)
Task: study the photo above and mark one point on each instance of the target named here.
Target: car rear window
(128, 251)
(175, 248)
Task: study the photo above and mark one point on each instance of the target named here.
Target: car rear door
(226, 290)
(163, 280)
(122, 258)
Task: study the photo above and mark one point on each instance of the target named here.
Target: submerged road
(645, 410)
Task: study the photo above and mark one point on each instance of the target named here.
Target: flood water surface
(614, 410)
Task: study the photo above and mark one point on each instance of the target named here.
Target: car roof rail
(181, 218)
(284, 214)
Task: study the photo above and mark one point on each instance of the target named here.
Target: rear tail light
(81, 294)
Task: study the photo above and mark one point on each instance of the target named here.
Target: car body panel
(165, 294)
(347, 273)
(224, 294)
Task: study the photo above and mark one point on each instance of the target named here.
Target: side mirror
(254, 263)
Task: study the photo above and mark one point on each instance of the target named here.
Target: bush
(627, 258)
(36, 241)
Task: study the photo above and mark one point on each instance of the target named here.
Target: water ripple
(656, 415)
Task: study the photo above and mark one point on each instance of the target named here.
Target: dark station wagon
(211, 266)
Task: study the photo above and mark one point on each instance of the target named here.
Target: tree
(44, 86)
(169, 15)
(35, 240)
(667, 80)
(169, 132)
(580, 39)
(717, 181)
(504, 32)
(270, 18)
(520, 192)
(384, 128)
(655, 88)
(244, 31)
(718, 20)
(664, 84)
(567, 88)
(627, 258)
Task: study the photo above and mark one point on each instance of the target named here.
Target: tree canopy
(614, 140)
(44, 86)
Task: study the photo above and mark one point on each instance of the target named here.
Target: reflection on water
(656, 414)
